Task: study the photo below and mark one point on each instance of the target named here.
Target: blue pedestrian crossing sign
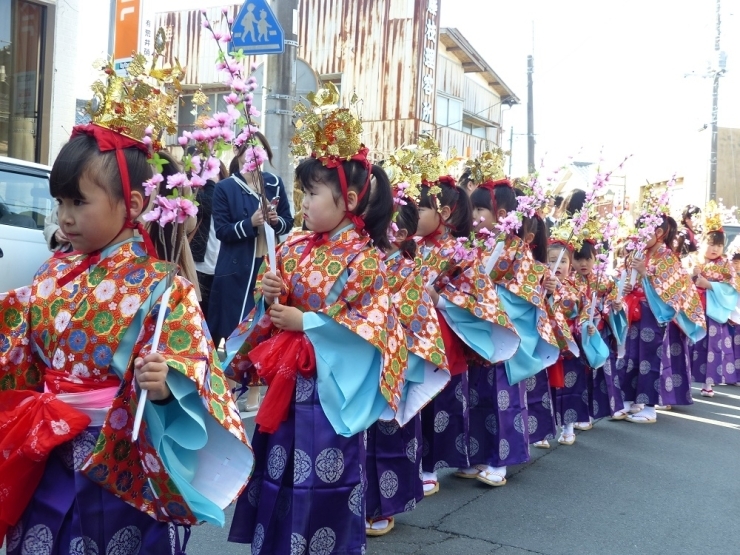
(256, 30)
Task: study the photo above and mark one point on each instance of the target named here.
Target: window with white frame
(473, 128)
(449, 112)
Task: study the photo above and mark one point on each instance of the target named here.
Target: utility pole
(280, 82)
(511, 147)
(530, 115)
(715, 102)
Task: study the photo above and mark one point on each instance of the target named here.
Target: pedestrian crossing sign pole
(256, 30)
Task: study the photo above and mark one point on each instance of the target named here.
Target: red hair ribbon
(556, 242)
(591, 242)
(337, 162)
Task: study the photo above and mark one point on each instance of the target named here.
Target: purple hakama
(539, 407)
(393, 468)
(305, 495)
(499, 420)
(605, 392)
(444, 427)
(713, 358)
(71, 515)
(571, 401)
(658, 370)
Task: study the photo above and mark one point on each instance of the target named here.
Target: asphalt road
(668, 488)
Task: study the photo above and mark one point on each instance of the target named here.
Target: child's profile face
(713, 252)
(584, 266)
(94, 221)
(563, 269)
(483, 218)
(429, 221)
(321, 213)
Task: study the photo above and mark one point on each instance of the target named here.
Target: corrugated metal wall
(194, 46)
(377, 46)
(377, 56)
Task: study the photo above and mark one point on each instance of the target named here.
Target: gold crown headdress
(488, 167)
(418, 165)
(326, 131)
(712, 217)
(141, 102)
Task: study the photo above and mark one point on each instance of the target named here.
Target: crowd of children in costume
(409, 327)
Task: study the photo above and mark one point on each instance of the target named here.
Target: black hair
(376, 211)
(690, 211)
(407, 217)
(587, 250)
(503, 197)
(82, 156)
(465, 181)
(574, 201)
(558, 201)
(736, 256)
(538, 246)
(715, 238)
(460, 221)
(670, 230)
(234, 166)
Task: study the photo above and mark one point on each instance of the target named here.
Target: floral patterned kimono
(713, 358)
(394, 450)
(570, 376)
(99, 491)
(474, 327)
(664, 313)
(307, 491)
(605, 386)
(501, 421)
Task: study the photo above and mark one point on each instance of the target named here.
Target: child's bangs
(311, 171)
(72, 162)
(481, 198)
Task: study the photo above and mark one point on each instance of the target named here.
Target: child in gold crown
(323, 337)
(76, 356)
(713, 358)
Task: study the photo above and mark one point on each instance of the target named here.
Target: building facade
(412, 77)
(38, 41)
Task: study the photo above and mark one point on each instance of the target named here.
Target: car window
(24, 200)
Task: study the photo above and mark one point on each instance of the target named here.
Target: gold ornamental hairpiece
(143, 98)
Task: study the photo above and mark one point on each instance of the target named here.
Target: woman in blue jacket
(238, 219)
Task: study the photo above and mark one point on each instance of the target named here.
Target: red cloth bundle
(454, 348)
(633, 305)
(31, 425)
(278, 361)
(556, 374)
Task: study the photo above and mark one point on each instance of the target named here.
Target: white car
(25, 203)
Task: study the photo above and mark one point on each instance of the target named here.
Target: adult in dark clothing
(687, 241)
(203, 243)
(238, 218)
(574, 202)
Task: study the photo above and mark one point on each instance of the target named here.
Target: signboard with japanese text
(428, 63)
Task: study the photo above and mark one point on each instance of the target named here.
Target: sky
(609, 80)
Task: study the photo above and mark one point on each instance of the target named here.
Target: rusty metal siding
(480, 101)
(450, 77)
(194, 46)
(377, 56)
